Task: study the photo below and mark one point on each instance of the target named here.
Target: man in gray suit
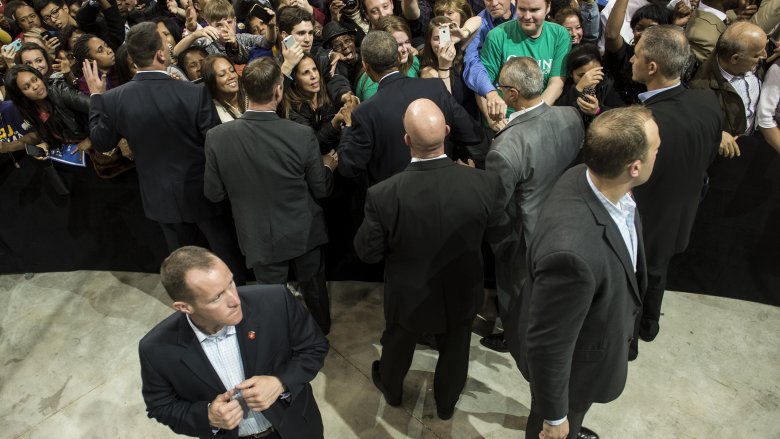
(529, 155)
(272, 171)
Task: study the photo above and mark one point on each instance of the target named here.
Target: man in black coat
(231, 362)
(165, 123)
(373, 146)
(429, 222)
(572, 331)
(690, 124)
(272, 171)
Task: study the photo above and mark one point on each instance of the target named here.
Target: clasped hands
(259, 393)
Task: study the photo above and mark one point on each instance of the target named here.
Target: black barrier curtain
(734, 249)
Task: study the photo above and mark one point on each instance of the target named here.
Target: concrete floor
(70, 369)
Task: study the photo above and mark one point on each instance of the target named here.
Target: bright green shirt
(366, 87)
(507, 40)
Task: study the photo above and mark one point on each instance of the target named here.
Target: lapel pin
(252, 335)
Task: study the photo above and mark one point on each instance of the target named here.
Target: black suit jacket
(165, 123)
(272, 170)
(690, 123)
(374, 144)
(179, 381)
(571, 335)
(429, 222)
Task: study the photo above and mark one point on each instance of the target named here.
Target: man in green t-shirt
(548, 43)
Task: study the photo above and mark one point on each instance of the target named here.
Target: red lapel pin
(252, 335)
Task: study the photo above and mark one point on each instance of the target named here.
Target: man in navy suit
(231, 362)
(165, 123)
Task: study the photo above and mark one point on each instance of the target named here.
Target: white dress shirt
(748, 87)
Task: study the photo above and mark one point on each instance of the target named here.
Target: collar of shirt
(417, 159)
(728, 76)
(624, 204)
(523, 111)
(383, 77)
(650, 93)
(202, 336)
(152, 71)
(259, 111)
(721, 15)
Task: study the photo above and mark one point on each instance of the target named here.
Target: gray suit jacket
(529, 155)
(272, 171)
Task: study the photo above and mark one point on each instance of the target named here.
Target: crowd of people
(432, 135)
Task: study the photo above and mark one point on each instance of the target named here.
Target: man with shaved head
(428, 222)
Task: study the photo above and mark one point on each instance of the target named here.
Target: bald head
(741, 46)
(425, 128)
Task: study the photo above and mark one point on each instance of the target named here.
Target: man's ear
(160, 56)
(652, 68)
(446, 130)
(734, 59)
(634, 167)
(282, 35)
(407, 140)
(184, 307)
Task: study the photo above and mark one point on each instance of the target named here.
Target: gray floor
(70, 369)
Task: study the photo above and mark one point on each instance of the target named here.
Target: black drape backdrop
(734, 249)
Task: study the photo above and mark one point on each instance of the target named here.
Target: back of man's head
(524, 75)
(290, 16)
(615, 139)
(174, 269)
(667, 46)
(425, 127)
(260, 79)
(380, 51)
(143, 42)
(218, 10)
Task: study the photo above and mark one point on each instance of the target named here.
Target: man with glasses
(529, 154)
(55, 13)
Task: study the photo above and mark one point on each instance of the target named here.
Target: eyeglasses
(54, 13)
(506, 86)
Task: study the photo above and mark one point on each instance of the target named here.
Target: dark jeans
(309, 271)
(220, 233)
(451, 368)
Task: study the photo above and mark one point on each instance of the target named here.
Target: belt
(258, 435)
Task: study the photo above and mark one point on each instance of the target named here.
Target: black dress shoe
(587, 433)
(648, 330)
(445, 414)
(495, 342)
(377, 379)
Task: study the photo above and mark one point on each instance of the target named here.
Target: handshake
(331, 160)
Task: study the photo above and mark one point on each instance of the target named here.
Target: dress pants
(451, 368)
(220, 233)
(535, 422)
(657, 269)
(309, 271)
(510, 273)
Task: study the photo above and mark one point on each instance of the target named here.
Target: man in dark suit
(231, 362)
(572, 333)
(373, 146)
(165, 123)
(690, 124)
(272, 189)
(429, 222)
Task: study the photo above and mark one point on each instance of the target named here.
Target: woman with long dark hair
(88, 47)
(588, 86)
(224, 84)
(307, 102)
(409, 64)
(31, 54)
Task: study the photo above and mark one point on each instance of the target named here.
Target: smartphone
(590, 91)
(288, 42)
(258, 11)
(444, 35)
(16, 44)
(240, 398)
(34, 151)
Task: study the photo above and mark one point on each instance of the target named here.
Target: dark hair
(657, 13)
(143, 42)
(615, 139)
(11, 7)
(69, 125)
(428, 57)
(260, 79)
(169, 24)
(80, 52)
(380, 51)
(173, 271)
(565, 13)
(210, 80)
(181, 60)
(580, 55)
(294, 99)
(29, 47)
(290, 16)
(556, 6)
(462, 7)
(38, 5)
(122, 66)
(65, 35)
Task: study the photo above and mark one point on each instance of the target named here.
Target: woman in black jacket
(587, 86)
(307, 103)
